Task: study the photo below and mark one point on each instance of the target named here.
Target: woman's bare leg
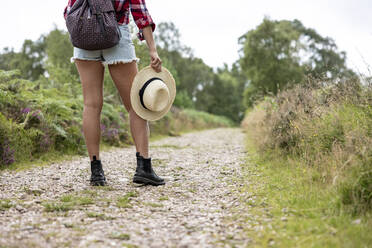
(123, 76)
(91, 77)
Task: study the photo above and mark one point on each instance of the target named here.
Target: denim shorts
(123, 52)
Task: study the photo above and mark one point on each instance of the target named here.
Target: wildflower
(114, 131)
(36, 114)
(25, 110)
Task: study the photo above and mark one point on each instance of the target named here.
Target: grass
(124, 202)
(158, 162)
(192, 190)
(302, 212)
(94, 215)
(106, 188)
(5, 204)
(77, 200)
(154, 205)
(129, 245)
(164, 198)
(57, 207)
(79, 231)
(99, 216)
(93, 193)
(34, 192)
(69, 202)
(176, 185)
(121, 236)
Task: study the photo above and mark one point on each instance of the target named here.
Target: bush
(37, 118)
(183, 100)
(325, 126)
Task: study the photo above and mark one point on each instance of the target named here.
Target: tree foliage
(275, 55)
(278, 54)
(223, 94)
(59, 50)
(29, 60)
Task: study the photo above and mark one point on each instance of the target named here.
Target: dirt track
(54, 206)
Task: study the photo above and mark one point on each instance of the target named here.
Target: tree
(191, 73)
(53, 49)
(168, 37)
(222, 95)
(198, 85)
(59, 50)
(278, 54)
(29, 60)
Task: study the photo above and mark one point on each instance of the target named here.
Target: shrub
(327, 126)
(37, 118)
(6, 152)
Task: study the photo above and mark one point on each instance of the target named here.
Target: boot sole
(98, 183)
(143, 180)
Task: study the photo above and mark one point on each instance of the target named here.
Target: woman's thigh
(123, 75)
(91, 77)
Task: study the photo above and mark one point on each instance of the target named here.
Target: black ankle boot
(98, 176)
(144, 172)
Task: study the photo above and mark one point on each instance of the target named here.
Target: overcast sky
(212, 27)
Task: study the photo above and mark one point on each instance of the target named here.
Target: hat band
(142, 90)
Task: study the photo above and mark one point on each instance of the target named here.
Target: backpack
(92, 24)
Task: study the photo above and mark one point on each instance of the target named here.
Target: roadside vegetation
(309, 133)
(314, 164)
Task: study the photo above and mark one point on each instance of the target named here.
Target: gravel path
(54, 206)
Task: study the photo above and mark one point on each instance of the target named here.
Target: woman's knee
(93, 104)
(133, 115)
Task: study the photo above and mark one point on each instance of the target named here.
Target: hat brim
(141, 78)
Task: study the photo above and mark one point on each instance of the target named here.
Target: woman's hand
(155, 61)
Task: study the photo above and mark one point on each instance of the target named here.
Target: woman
(121, 61)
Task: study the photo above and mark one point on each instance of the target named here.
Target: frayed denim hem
(72, 59)
(104, 63)
(118, 61)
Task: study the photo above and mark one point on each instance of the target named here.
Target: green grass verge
(299, 210)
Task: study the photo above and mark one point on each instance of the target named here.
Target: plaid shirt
(139, 11)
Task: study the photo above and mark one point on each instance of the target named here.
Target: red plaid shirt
(139, 11)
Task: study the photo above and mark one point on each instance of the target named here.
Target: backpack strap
(121, 13)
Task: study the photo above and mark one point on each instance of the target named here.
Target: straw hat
(152, 93)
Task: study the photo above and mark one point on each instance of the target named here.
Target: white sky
(212, 27)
